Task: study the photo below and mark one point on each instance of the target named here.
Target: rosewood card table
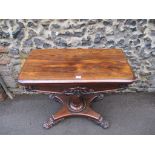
(75, 77)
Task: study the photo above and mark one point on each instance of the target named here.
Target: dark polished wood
(75, 77)
(76, 106)
(76, 65)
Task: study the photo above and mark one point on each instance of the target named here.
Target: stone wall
(135, 37)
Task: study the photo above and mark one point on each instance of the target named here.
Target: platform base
(75, 105)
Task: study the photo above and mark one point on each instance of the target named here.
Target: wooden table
(75, 77)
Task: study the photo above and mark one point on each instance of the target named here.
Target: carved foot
(49, 123)
(103, 123)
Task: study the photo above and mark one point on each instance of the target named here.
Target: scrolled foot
(103, 123)
(49, 123)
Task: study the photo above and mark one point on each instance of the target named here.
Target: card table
(75, 77)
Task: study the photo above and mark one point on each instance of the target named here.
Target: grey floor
(129, 113)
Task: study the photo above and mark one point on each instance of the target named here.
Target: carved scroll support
(75, 102)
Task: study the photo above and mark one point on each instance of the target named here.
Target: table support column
(75, 105)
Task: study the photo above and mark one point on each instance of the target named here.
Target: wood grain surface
(76, 66)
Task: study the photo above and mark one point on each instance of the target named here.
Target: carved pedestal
(76, 102)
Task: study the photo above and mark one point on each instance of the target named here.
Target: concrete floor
(129, 113)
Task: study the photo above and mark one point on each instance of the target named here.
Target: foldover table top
(76, 66)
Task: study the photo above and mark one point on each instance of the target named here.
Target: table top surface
(76, 66)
